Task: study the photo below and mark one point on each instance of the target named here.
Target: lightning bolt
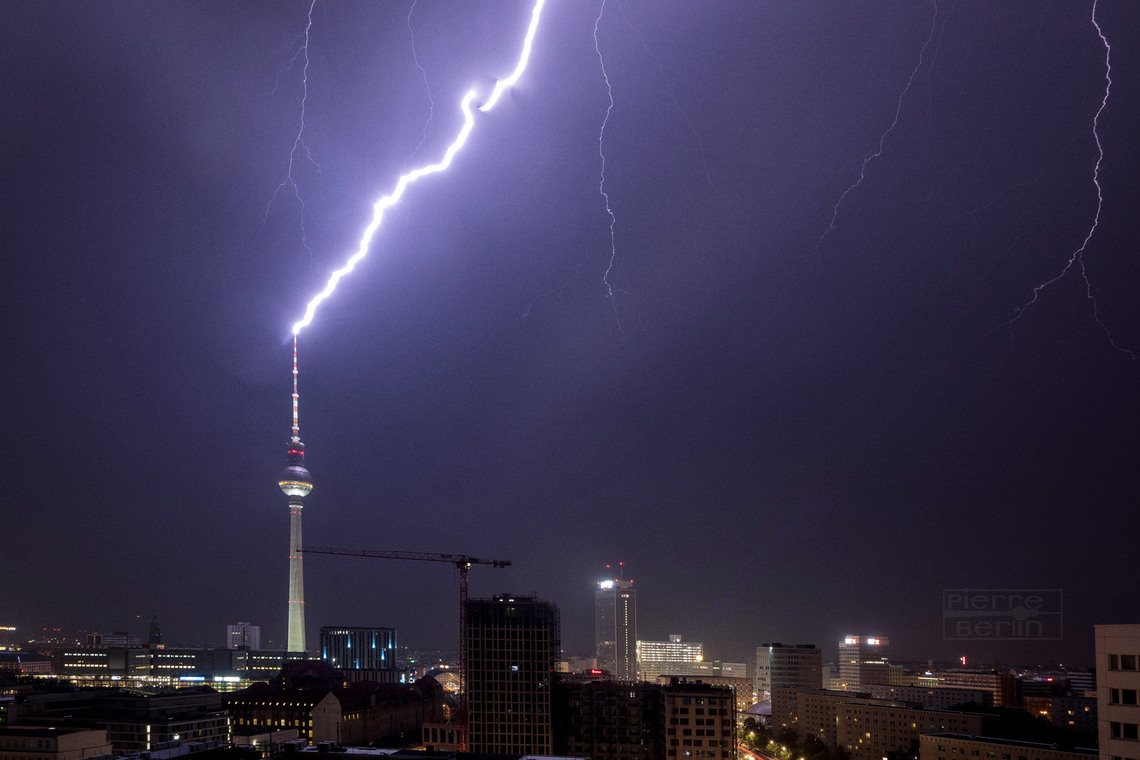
(1077, 258)
(933, 60)
(387, 201)
(883, 137)
(427, 86)
(298, 141)
(602, 172)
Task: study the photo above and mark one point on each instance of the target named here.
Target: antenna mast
(296, 425)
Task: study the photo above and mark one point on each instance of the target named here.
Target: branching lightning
(883, 137)
(298, 141)
(1077, 258)
(934, 59)
(385, 202)
(602, 172)
(427, 86)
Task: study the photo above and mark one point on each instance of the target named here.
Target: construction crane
(462, 563)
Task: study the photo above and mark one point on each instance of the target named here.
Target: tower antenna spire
(296, 424)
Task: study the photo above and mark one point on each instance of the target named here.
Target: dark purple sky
(783, 437)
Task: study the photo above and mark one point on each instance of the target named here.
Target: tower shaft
(296, 642)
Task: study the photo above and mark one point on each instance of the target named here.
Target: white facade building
(668, 658)
(1118, 691)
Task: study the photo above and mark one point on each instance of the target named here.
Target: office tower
(243, 636)
(357, 648)
(615, 628)
(512, 648)
(792, 667)
(863, 660)
(296, 482)
(668, 658)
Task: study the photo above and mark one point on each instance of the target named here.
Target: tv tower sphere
(295, 478)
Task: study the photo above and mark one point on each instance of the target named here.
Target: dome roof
(295, 480)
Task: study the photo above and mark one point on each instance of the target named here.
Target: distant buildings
(23, 663)
(664, 658)
(787, 667)
(870, 731)
(512, 648)
(741, 687)
(362, 653)
(1074, 713)
(116, 639)
(1118, 691)
(931, 698)
(863, 660)
(866, 728)
(615, 628)
(154, 635)
(243, 636)
(131, 721)
(126, 666)
(1000, 684)
(309, 697)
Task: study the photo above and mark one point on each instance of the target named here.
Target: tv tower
(296, 482)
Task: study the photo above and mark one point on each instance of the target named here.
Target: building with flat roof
(36, 743)
(957, 746)
(798, 666)
(668, 658)
(1002, 685)
(243, 636)
(133, 720)
(24, 663)
(741, 687)
(701, 721)
(512, 651)
(310, 697)
(871, 731)
(614, 720)
(863, 660)
(812, 713)
(361, 652)
(1075, 713)
(609, 720)
(931, 698)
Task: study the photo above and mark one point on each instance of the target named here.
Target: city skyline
(798, 392)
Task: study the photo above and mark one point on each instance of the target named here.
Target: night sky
(786, 433)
